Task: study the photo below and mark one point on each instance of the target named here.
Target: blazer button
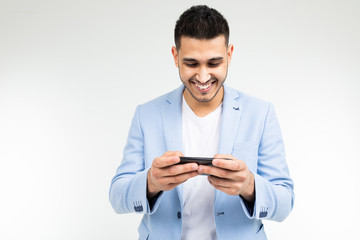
(179, 215)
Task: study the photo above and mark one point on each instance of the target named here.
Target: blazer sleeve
(274, 196)
(129, 185)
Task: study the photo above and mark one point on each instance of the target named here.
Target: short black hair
(201, 22)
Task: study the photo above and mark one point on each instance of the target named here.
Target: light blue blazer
(249, 131)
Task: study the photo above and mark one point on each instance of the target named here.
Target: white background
(72, 73)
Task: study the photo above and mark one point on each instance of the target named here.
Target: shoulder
(153, 106)
(248, 102)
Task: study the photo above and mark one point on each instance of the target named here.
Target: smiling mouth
(204, 87)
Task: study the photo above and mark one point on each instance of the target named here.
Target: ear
(229, 53)
(175, 56)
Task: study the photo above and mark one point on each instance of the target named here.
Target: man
(248, 180)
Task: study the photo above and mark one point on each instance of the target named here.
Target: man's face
(203, 65)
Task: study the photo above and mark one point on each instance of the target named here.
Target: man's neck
(201, 109)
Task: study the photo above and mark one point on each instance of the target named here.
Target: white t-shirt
(200, 139)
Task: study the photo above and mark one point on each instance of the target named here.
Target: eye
(191, 64)
(213, 64)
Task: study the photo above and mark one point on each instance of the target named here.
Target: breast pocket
(247, 152)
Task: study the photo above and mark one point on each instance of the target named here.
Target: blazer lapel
(230, 120)
(171, 115)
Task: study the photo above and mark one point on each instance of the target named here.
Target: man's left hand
(230, 176)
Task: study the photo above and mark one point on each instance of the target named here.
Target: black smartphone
(198, 160)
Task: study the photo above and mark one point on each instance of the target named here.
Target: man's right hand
(164, 175)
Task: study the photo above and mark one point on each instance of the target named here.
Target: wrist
(151, 190)
(249, 194)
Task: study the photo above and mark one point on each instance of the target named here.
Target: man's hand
(164, 175)
(231, 176)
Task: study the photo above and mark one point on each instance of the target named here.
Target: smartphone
(198, 160)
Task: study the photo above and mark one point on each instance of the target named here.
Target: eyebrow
(194, 60)
(189, 60)
(216, 59)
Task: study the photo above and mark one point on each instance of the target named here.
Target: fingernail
(194, 166)
(200, 169)
(215, 161)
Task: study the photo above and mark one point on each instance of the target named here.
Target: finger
(232, 164)
(225, 185)
(168, 182)
(180, 169)
(221, 182)
(230, 191)
(171, 186)
(162, 162)
(219, 160)
(215, 171)
(178, 179)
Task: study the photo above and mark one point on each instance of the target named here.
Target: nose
(203, 75)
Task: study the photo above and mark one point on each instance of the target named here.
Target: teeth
(203, 87)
